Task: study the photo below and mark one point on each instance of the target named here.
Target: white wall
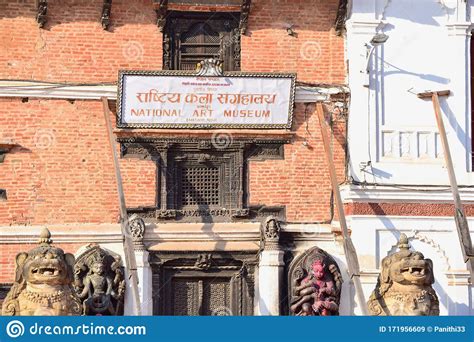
(435, 237)
(427, 49)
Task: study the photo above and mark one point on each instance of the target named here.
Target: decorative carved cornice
(244, 15)
(42, 9)
(161, 9)
(105, 18)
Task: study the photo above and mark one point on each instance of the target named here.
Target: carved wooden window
(198, 182)
(203, 180)
(191, 37)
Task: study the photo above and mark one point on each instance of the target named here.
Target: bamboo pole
(349, 249)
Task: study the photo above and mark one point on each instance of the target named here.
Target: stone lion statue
(404, 285)
(42, 286)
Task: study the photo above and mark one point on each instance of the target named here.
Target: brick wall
(73, 47)
(62, 170)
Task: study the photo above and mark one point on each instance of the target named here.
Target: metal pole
(128, 249)
(349, 249)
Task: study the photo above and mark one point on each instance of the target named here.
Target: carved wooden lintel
(244, 15)
(105, 18)
(251, 213)
(150, 148)
(161, 9)
(42, 9)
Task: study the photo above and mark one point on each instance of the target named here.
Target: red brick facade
(61, 172)
(74, 48)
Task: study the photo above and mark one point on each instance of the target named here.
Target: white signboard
(180, 100)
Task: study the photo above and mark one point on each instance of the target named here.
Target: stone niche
(315, 284)
(99, 281)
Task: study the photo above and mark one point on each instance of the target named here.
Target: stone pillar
(270, 270)
(144, 278)
(137, 229)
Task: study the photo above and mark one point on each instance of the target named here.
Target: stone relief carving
(99, 282)
(404, 286)
(43, 283)
(137, 230)
(315, 284)
(203, 262)
(137, 227)
(271, 232)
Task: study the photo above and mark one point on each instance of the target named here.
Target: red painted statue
(316, 293)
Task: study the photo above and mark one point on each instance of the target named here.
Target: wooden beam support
(349, 249)
(128, 249)
(459, 215)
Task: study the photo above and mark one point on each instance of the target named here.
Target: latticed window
(191, 37)
(200, 297)
(199, 186)
(199, 43)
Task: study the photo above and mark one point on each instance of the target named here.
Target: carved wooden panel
(198, 181)
(187, 286)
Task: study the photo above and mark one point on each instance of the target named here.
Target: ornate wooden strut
(42, 9)
(105, 18)
(161, 9)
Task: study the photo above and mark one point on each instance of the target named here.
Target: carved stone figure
(271, 232)
(99, 282)
(404, 285)
(315, 284)
(43, 283)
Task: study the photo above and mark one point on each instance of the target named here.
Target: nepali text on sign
(237, 101)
